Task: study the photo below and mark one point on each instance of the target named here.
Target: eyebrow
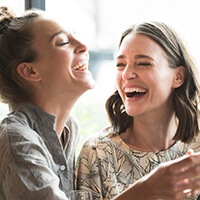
(57, 33)
(120, 57)
(136, 57)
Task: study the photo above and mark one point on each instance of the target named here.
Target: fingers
(184, 175)
(190, 171)
(190, 151)
(178, 179)
(186, 164)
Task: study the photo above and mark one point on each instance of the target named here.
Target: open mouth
(135, 92)
(81, 66)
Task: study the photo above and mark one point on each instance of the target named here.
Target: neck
(151, 135)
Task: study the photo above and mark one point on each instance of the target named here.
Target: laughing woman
(43, 71)
(154, 122)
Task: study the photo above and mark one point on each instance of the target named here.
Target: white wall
(17, 5)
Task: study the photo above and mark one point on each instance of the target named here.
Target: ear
(28, 72)
(179, 77)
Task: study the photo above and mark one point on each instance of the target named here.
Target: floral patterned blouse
(107, 165)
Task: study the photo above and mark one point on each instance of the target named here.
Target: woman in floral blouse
(154, 119)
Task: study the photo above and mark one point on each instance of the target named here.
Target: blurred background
(99, 23)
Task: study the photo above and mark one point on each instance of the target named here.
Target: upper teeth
(135, 89)
(81, 65)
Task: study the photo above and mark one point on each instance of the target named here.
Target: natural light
(100, 23)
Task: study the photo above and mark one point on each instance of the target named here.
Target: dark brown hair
(185, 98)
(16, 38)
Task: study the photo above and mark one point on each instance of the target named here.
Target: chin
(90, 84)
(132, 113)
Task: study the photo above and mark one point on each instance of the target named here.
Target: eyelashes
(62, 43)
(120, 65)
(145, 64)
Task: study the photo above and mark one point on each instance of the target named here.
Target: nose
(129, 73)
(80, 47)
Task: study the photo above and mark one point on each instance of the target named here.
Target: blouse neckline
(117, 139)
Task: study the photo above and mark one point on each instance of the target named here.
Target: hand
(175, 179)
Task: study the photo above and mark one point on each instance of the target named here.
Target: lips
(81, 66)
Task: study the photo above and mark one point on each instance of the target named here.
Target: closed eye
(62, 43)
(145, 64)
(120, 65)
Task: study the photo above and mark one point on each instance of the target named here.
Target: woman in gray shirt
(43, 71)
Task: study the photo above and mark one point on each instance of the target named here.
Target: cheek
(162, 87)
(60, 57)
(119, 85)
(118, 80)
(60, 64)
(162, 79)
(118, 76)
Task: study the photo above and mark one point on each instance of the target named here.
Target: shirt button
(62, 167)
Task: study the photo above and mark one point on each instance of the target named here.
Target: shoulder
(16, 128)
(13, 128)
(99, 137)
(18, 142)
(103, 139)
(17, 138)
(98, 147)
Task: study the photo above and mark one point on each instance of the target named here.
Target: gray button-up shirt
(33, 163)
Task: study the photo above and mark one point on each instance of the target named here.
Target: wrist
(136, 191)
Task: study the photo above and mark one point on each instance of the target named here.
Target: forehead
(140, 44)
(45, 27)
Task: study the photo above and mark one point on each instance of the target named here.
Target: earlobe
(27, 72)
(179, 76)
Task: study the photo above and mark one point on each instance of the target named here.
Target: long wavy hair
(185, 98)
